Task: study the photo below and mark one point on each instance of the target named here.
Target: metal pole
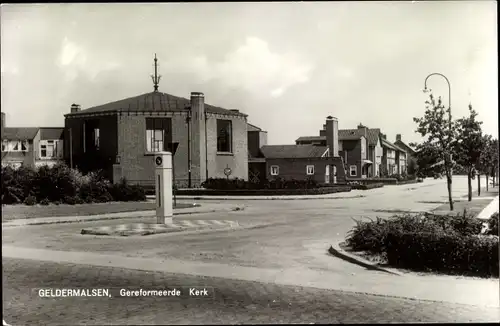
(206, 148)
(173, 178)
(71, 148)
(189, 147)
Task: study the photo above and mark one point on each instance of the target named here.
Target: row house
(319, 161)
(31, 146)
(394, 160)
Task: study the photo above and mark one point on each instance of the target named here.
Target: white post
(163, 185)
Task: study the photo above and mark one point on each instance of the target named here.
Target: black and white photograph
(287, 162)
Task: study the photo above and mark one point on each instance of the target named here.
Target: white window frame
(275, 170)
(19, 144)
(46, 143)
(351, 169)
(308, 171)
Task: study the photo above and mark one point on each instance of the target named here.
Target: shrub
(70, 200)
(44, 202)
(123, 191)
(30, 200)
(493, 225)
(371, 235)
(367, 186)
(473, 255)
(277, 183)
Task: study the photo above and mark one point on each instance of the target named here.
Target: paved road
(295, 234)
(292, 226)
(235, 302)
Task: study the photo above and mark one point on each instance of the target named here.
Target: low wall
(263, 192)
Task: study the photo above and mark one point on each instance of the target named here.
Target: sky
(287, 65)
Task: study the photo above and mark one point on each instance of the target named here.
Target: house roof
(311, 138)
(153, 101)
(51, 133)
(20, 133)
(401, 144)
(251, 127)
(372, 135)
(292, 151)
(388, 144)
(323, 138)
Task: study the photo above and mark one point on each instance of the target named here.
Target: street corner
(336, 250)
(143, 229)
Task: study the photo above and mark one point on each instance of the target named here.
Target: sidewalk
(338, 195)
(205, 208)
(463, 291)
(489, 210)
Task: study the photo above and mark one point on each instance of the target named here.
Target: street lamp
(449, 99)
(449, 111)
(188, 121)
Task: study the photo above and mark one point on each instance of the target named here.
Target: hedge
(452, 253)
(60, 184)
(240, 184)
(263, 192)
(367, 186)
(430, 242)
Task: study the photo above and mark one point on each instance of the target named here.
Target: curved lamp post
(449, 109)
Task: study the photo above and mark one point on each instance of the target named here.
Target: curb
(264, 198)
(338, 252)
(94, 219)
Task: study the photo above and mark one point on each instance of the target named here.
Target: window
(47, 149)
(224, 136)
(353, 170)
(157, 134)
(96, 138)
(5, 146)
(310, 170)
(275, 170)
(16, 146)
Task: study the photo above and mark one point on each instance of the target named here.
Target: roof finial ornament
(156, 78)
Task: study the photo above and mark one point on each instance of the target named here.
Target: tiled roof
(21, 133)
(51, 133)
(372, 134)
(251, 127)
(311, 138)
(401, 144)
(292, 151)
(388, 144)
(153, 101)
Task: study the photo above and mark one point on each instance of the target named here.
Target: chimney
(75, 108)
(3, 120)
(398, 137)
(198, 142)
(332, 135)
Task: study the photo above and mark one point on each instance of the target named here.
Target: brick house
(410, 152)
(359, 147)
(320, 161)
(120, 138)
(31, 146)
(394, 158)
(256, 161)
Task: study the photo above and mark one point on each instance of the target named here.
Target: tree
(440, 136)
(469, 146)
(427, 160)
(488, 161)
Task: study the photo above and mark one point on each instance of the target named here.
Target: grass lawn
(12, 212)
(473, 207)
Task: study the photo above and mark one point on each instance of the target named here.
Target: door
(334, 174)
(327, 174)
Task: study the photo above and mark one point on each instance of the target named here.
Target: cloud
(75, 60)
(252, 67)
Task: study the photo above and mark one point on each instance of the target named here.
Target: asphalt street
(274, 234)
(234, 302)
